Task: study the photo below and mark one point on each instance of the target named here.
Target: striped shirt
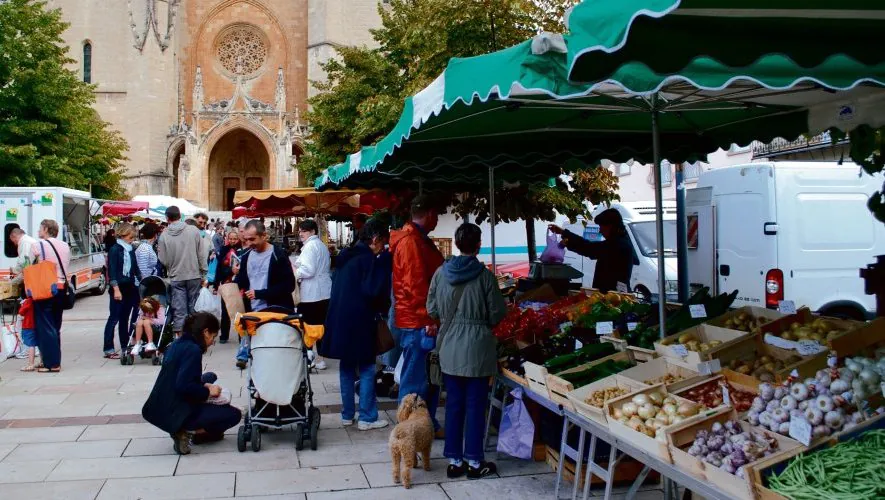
(146, 259)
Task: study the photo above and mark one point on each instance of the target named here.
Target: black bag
(70, 294)
(434, 370)
(383, 338)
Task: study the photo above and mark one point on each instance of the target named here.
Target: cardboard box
(578, 396)
(660, 367)
(729, 340)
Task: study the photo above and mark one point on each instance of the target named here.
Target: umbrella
(123, 207)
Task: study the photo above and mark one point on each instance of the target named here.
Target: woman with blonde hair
(124, 276)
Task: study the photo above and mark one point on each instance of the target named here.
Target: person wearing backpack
(48, 312)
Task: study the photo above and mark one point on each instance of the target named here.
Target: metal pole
(681, 235)
(492, 214)
(420, 186)
(659, 214)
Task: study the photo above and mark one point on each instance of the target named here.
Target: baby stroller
(278, 377)
(156, 287)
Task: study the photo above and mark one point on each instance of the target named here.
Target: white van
(639, 218)
(789, 230)
(25, 207)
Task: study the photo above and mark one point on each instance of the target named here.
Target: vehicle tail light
(774, 288)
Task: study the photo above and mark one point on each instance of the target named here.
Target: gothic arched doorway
(238, 161)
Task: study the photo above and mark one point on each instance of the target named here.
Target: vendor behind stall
(614, 255)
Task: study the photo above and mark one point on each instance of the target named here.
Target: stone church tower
(209, 93)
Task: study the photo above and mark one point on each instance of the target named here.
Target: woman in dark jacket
(178, 402)
(123, 276)
(360, 292)
(229, 252)
(614, 256)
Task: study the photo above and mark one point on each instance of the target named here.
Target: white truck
(785, 231)
(25, 207)
(639, 219)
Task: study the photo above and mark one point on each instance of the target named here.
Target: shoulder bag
(434, 370)
(383, 337)
(41, 279)
(70, 293)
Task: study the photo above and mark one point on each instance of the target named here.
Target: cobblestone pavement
(79, 434)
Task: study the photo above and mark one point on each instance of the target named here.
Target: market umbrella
(124, 207)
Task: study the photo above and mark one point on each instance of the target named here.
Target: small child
(151, 315)
(29, 336)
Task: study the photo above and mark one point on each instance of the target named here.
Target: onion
(670, 409)
(654, 424)
(635, 423)
(687, 409)
(646, 411)
(656, 398)
(660, 435)
(624, 420)
(629, 409)
(640, 399)
(617, 413)
(663, 419)
(676, 419)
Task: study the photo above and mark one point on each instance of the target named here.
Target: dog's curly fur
(413, 434)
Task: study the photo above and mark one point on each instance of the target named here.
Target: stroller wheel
(314, 433)
(255, 438)
(156, 360)
(241, 439)
(299, 437)
(124, 359)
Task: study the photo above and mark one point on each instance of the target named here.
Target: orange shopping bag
(41, 280)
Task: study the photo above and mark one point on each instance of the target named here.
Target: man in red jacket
(415, 259)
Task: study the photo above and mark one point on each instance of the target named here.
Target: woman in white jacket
(312, 270)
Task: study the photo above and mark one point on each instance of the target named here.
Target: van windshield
(644, 233)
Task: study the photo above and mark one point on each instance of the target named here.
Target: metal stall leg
(494, 402)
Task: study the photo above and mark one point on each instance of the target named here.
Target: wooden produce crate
(681, 435)
(866, 337)
(645, 373)
(579, 395)
(804, 317)
(723, 321)
(9, 290)
(807, 366)
(536, 378)
(735, 380)
(510, 374)
(646, 443)
(731, 340)
(640, 354)
(626, 471)
(558, 387)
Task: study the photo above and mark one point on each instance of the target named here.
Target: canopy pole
(492, 215)
(420, 186)
(659, 214)
(681, 235)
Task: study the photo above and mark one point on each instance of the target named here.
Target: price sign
(698, 311)
(726, 397)
(565, 326)
(622, 287)
(710, 367)
(779, 342)
(604, 328)
(679, 350)
(632, 326)
(794, 373)
(809, 348)
(578, 344)
(786, 307)
(800, 430)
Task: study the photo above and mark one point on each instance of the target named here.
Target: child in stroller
(150, 315)
(152, 323)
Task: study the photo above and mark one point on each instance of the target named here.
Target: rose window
(242, 50)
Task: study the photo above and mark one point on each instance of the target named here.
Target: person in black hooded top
(178, 403)
(614, 256)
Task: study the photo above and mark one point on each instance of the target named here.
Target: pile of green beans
(853, 470)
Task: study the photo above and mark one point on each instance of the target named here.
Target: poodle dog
(413, 434)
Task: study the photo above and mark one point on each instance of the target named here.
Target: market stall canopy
(124, 208)
(159, 203)
(308, 201)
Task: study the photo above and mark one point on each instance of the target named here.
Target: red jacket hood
(398, 235)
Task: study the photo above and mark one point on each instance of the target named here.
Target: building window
(622, 169)
(666, 173)
(87, 62)
(692, 171)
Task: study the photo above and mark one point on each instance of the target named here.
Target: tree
(49, 133)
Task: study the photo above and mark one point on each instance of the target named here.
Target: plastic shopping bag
(212, 269)
(399, 369)
(517, 432)
(11, 343)
(208, 302)
(553, 254)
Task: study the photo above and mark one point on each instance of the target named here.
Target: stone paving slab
(381, 474)
(304, 480)
(511, 488)
(56, 410)
(25, 472)
(422, 491)
(37, 435)
(55, 451)
(6, 449)
(121, 431)
(118, 467)
(68, 490)
(234, 461)
(170, 488)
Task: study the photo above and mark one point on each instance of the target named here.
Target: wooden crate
(731, 340)
(804, 316)
(9, 290)
(757, 312)
(626, 471)
(734, 379)
(578, 396)
(660, 367)
(640, 354)
(536, 377)
(558, 387)
(681, 436)
(807, 366)
(865, 337)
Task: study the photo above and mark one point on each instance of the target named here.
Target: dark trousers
(214, 419)
(121, 314)
(466, 401)
(225, 323)
(47, 323)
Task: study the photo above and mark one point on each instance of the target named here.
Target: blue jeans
(121, 314)
(391, 357)
(347, 374)
(243, 351)
(413, 378)
(466, 401)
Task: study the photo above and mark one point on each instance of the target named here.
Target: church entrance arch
(239, 160)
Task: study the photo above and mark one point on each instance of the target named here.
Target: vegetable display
(594, 373)
(650, 413)
(714, 306)
(667, 379)
(762, 366)
(710, 396)
(819, 330)
(729, 447)
(691, 342)
(598, 398)
(852, 470)
(746, 323)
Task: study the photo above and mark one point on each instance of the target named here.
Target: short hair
(257, 225)
(125, 229)
(190, 222)
(309, 225)
(173, 213)
(201, 215)
(17, 232)
(468, 237)
(50, 226)
(422, 205)
(373, 228)
(149, 230)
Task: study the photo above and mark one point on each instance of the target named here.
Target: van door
(746, 232)
(16, 211)
(702, 262)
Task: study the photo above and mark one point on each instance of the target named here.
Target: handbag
(383, 337)
(70, 293)
(434, 370)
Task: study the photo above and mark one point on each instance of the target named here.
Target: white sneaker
(134, 350)
(346, 423)
(368, 426)
(150, 347)
(320, 365)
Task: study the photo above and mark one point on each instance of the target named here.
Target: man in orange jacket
(415, 259)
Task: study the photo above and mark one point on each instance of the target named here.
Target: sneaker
(456, 471)
(388, 369)
(484, 469)
(346, 422)
(134, 351)
(368, 426)
(320, 365)
(150, 347)
(181, 442)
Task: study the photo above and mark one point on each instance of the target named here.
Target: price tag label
(622, 287)
(698, 311)
(726, 397)
(809, 348)
(578, 344)
(710, 367)
(794, 373)
(679, 350)
(786, 307)
(800, 430)
(604, 328)
(565, 326)
(632, 326)
(779, 342)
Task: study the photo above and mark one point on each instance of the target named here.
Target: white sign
(800, 430)
(710, 367)
(697, 311)
(632, 326)
(621, 287)
(679, 350)
(794, 373)
(786, 307)
(578, 344)
(809, 348)
(726, 397)
(604, 328)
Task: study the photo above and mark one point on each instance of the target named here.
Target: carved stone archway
(237, 160)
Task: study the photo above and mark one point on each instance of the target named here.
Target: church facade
(209, 93)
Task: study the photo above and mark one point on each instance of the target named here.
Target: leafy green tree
(49, 133)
